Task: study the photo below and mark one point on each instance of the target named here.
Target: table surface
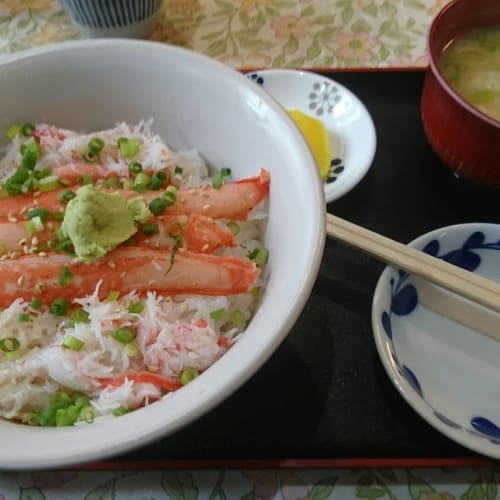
(353, 435)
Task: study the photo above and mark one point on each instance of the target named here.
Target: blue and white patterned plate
(448, 373)
(350, 127)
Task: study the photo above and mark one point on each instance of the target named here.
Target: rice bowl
(195, 103)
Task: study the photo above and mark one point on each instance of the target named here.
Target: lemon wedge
(316, 137)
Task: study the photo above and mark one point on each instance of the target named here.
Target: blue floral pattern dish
(446, 372)
(347, 121)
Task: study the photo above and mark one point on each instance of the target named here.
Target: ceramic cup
(113, 18)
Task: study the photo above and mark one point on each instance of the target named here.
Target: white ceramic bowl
(446, 370)
(196, 103)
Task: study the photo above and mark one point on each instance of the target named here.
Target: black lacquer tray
(324, 393)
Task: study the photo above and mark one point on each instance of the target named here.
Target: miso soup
(471, 65)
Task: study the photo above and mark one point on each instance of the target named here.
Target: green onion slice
(170, 195)
(113, 295)
(9, 344)
(218, 314)
(125, 334)
(135, 167)
(260, 256)
(238, 318)
(218, 178)
(128, 147)
(24, 317)
(36, 304)
(136, 307)
(158, 205)
(65, 195)
(27, 129)
(12, 131)
(73, 343)
(188, 375)
(65, 276)
(59, 307)
(49, 183)
(41, 213)
(234, 227)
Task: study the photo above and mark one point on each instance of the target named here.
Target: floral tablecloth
(259, 33)
(250, 34)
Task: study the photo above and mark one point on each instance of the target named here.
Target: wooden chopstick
(455, 279)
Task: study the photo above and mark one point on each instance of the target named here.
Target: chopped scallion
(65, 195)
(136, 307)
(24, 317)
(12, 131)
(238, 318)
(158, 180)
(27, 129)
(9, 344)
(125, 334)
(158, 205)
(260, 256)
(170, 195)
(59, 307)
(73, 343)
(65, 276)
(36, 303)
(41, 213)
(218, 314)
(150, 228)
(218, 178)
(135, 167)
(188, 375)
(118, 412)
(49, 183)
(128, 147)
(87, 414)
(234, 227)
(79, 315)
(113, 295)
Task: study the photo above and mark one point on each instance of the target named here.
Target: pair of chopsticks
(477, 289)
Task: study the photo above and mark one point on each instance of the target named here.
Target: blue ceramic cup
(113, 18)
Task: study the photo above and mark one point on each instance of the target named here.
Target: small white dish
(447, 372)
(350, 127)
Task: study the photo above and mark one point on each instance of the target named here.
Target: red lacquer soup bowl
(466, 140)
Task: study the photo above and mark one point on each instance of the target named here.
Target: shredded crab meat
(171, 333)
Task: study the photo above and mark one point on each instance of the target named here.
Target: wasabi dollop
(96, 222)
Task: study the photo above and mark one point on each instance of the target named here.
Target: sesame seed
(36, 193)
(111, 264)
(22, 242)
(25, 249)
(5, 256)
(205, 247)
(181, 250)
(122, 275)
(43, 254)
(34, 241)
(21, 280)
(23, 210)
(11, 218)
(50, 225)
(153, 368)
(206, 206)
(13, 255)
(39, 287)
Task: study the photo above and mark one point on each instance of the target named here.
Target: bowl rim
(433, 65)
(207, 397)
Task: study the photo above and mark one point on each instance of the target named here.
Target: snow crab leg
(234, 200)
(125, 270)
(199, 234)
